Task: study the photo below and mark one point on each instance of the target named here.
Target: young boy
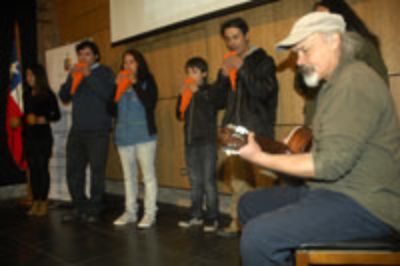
(200, 127)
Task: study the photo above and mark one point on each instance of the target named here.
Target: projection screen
(133, 18)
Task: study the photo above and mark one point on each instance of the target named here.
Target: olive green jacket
(356, 144)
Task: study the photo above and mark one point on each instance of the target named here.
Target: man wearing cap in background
(353, 168)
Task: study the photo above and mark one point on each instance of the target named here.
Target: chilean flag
(14, 112)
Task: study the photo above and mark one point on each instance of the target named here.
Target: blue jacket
(90, 101)
(135, 118)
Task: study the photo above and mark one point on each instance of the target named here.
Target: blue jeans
(201, 162)
(279, 219)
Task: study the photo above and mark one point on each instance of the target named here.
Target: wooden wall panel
(167, 52)
(81, 19)
(381, 17)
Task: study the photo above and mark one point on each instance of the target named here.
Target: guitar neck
(232, 138)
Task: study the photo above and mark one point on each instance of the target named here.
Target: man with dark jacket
(88, 138)
(248, 89)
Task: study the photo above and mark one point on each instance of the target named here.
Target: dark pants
(87, 148)
(201, 162)
(38, 153)
(279, 219)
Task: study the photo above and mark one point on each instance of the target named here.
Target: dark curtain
(22, 12)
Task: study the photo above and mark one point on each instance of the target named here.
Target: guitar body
(231, 138)
(300, 140)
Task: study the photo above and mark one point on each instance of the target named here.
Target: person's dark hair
(235, 23)
(197, 62)
(41, 81)
(353, 22)
(143, 72)
(91, 45)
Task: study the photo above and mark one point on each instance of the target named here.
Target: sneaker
(190, 223)
(147, 221)
(125, 218)
(211, 226)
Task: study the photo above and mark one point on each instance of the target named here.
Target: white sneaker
(190, 223)
(125, 218)
(147, 221)
(210, 227)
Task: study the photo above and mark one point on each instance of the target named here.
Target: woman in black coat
(41, 108)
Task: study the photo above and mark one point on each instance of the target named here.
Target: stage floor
(48, 242)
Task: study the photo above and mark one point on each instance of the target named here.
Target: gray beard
(311, 79)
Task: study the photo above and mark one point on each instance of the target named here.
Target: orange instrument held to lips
(233, 71)
(77, 77)
(186, 96)
(123, 83)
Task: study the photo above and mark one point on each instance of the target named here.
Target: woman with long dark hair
(41, 108)
(136, 137)
(368, 49)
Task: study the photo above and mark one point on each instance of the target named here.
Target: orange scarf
(186, 96)
(123, 84)
(233, 71)
(77, 77)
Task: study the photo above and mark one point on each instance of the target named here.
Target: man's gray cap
(312, 23)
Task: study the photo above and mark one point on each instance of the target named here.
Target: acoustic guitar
(232, 137)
